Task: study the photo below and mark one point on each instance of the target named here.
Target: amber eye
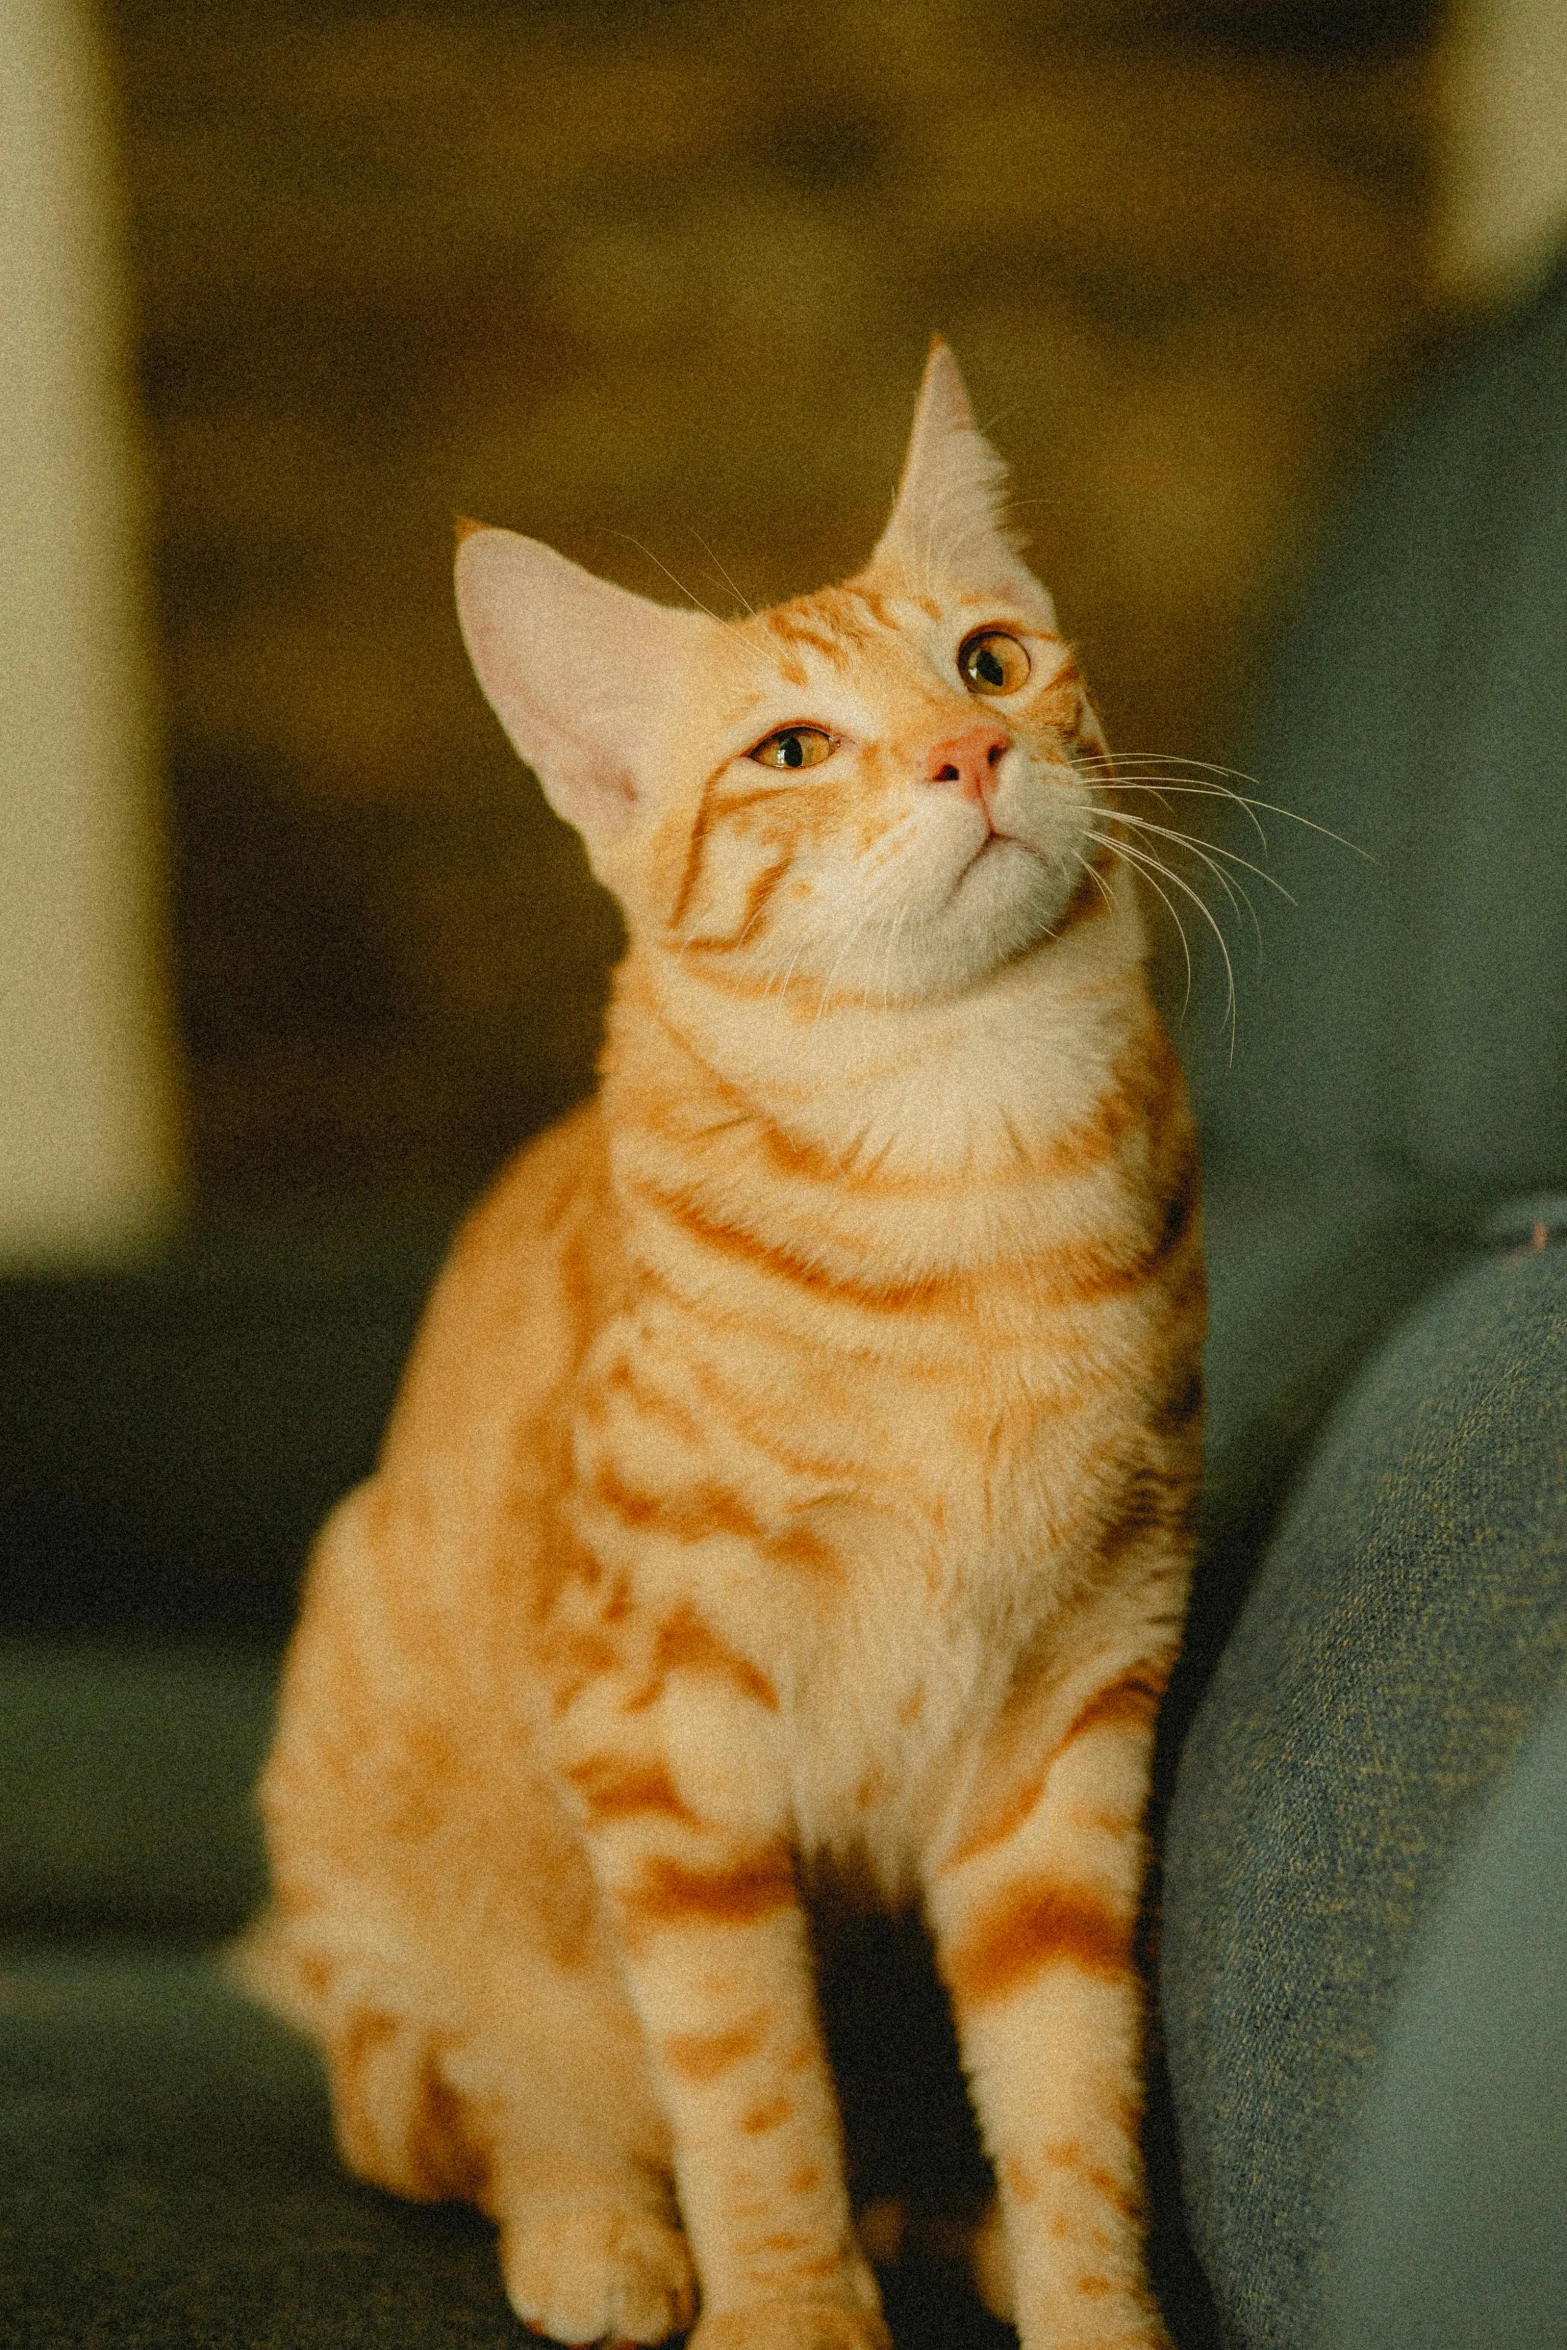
(794, 746)
(991, 662)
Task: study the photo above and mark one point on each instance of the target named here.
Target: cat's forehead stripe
(696, 845)
(875, 603)
(792, 631)
(837, 622)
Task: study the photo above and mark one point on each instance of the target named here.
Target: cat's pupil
(989, 667)
(792, 751)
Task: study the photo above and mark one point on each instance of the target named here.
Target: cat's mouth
(994, 840)
(1013, 886)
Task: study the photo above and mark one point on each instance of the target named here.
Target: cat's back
(530, 1277)
(416, 1580)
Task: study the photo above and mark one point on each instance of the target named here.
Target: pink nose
(968, 760)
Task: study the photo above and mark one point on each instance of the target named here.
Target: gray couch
(1388, 1178)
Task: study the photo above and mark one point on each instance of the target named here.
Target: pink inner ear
(579, 672)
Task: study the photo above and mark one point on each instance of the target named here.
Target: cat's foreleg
(1033, 1897)
(696, 1870)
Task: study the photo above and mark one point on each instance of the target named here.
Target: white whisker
(1094, 875)
(827, 987)
(1206, 849)
(689, 594)
(757, 657)
(812, 935)
(722, 573)
(1147, 863)
(892, 939)
(1110, 760)
(782, 982)
(1208, 853)
(1180, 932)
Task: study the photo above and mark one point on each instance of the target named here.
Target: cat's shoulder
(540, 1195)
(550, 1207)
(523, 1285)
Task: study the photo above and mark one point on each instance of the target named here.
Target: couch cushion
(167, 2180)
(1408, 1625)
(1449, 2235)
(166, 2169)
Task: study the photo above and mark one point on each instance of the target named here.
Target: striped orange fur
(792, 1481)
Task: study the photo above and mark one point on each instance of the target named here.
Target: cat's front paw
(1100, 2322)
(594, 2272)
(793, 2325)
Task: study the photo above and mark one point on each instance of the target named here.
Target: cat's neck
(938, 1086)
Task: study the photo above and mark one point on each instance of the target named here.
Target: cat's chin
(955, 966)
(1009, 901)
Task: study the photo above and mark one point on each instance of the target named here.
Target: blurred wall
(1503, 204)
(88, 1149)
(655, 283)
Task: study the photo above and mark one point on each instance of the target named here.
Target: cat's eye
(794, 746)
(992, 662)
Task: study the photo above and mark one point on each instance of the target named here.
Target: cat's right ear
(949, 515)
(577, 671)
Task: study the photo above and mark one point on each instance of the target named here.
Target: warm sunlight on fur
(794, 1475)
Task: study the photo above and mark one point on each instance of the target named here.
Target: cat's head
(870, 789)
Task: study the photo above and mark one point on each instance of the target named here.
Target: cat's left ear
(949, 517)
(579, 673)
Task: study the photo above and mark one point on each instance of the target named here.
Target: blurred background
(653, 282)
(291, 951)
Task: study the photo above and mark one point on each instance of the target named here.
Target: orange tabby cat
(795, 1468)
